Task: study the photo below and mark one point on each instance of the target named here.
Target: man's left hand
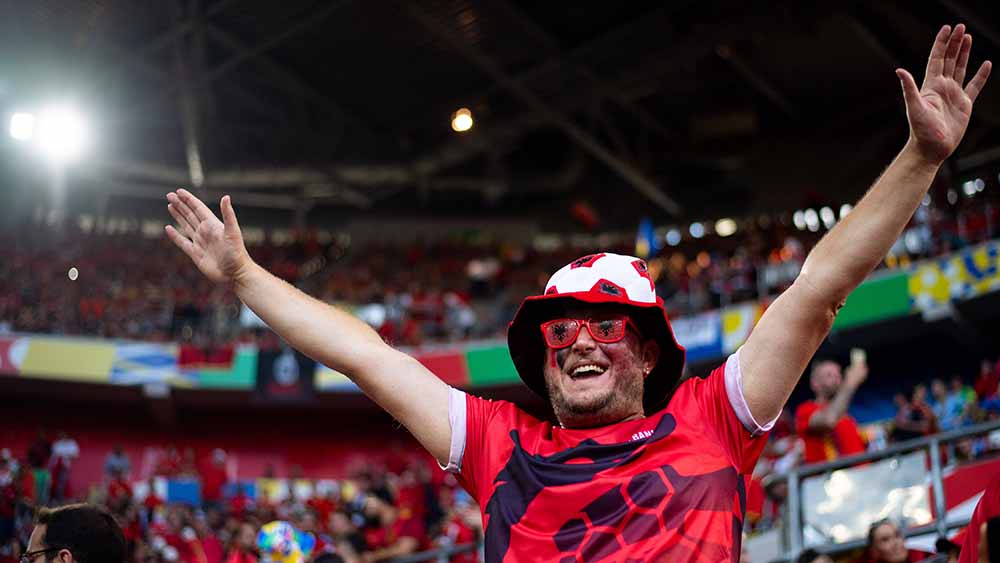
(939, 110)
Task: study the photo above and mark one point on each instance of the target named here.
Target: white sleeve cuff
(456, 416)
(734, 390)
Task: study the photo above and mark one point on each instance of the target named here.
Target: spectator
(345, 538)
(812, 556)
(909, 422)
(965, 393)
(397, 532)
(243, 549)
(922, 409)
(119, 492)
(213, 479)
(64, 451)
(8, 500)
(949, 407)
(987, 380)
(885, 545)
(39, 451)
(826, 428)
(76, 533)
(117, 463)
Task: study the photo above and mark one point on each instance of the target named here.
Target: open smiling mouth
(586, 371)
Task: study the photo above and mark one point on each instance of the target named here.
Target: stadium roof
(679, 110)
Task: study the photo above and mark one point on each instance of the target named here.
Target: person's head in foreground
(75, 533)
(597, 344)
(812, 556)
(885, 543)
(825, 378)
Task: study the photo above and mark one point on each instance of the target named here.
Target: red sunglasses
(560, 333)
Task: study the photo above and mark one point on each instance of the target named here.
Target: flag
(645, 239)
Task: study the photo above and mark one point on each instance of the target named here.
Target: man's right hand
(216, 247)
(856, 374)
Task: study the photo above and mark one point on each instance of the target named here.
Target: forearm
(838, 405)
(849, 252)
(345, 343)
(331, 336)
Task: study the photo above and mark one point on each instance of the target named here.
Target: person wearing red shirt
(400, 531)
(243, 549)
(213, 479)
(987, 380)
(240, 502)
(827, 431)
(638, 463)
(119, 491)
(323, 506)
(988, 507)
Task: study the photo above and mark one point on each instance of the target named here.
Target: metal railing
(442, 554)
(794, 525)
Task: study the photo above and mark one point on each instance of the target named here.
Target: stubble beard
(608, 407)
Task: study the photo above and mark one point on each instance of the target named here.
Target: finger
(935, 63)
(185, 212)
(200, 209)
(229, 215)
(963, 59)
(185, 228)
(911, 94)
(978, 81)
(182, 242)
(951, 53)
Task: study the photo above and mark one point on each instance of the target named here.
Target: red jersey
(213, 478)
(844, 440)
(988, 507)
(669, 487)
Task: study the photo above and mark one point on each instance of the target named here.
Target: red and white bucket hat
(603, 278)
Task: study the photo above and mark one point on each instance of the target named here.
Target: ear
(64, 556)
(650, 355)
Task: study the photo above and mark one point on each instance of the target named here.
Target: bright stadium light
(461, 120)
(22, 126)
(673, 237)
(725, 227)
(61, 134)
(845, 210)
(812, 219)
(969, 188)
(799, 218)
(697, 230)
(829, 219)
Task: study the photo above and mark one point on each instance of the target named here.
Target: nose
(584, 341)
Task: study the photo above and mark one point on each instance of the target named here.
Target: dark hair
(875, 526)
(90, 533)
(808, 556)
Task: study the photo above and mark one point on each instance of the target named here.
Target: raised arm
(826, 419)
(780, 347)
(396, 381)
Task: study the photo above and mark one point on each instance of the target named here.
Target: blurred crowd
(384, 510)
(124, 280)
(957, 404)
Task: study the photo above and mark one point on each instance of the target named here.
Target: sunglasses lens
(561, 333)
(607, 330)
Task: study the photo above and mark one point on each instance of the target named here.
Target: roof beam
(761, 84)
(586, 141)
(642, 117)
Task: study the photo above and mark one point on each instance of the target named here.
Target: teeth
(588, 368)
